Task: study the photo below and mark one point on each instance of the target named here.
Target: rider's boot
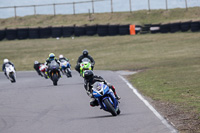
(93, 102)
(117, 97)
(47, 74)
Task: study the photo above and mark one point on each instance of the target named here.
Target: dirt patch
(183, 121)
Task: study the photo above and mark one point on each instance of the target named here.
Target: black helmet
(85, 52)
(88, 74)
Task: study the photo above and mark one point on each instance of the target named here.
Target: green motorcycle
(85, 65)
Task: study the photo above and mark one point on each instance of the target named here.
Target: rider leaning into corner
(49, 60)
(84, 55)
(6, 61)
(61, 57)
(36, 67)
(89, 80)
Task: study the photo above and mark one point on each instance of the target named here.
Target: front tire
(110, 108)
(13, 80)
(68, 73)
(55, 79)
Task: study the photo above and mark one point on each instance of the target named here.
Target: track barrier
(100, 30)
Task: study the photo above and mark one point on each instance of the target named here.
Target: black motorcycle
(54, 71)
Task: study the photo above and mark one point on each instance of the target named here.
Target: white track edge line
(149, 106)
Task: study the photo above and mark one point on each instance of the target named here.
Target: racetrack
(34, 105)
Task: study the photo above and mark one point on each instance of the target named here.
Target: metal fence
(92, 7)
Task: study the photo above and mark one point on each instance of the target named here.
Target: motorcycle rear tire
(110, 108)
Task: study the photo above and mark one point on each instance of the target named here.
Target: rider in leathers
(49, 60)
(6, 61)
(84, 55)
(36, 66)
(89, 80)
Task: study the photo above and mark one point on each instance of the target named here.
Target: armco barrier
(113, 30)
(68, 31)
(195, 26)
(124, 29)
(45, 32)
(56, 32)
(2, 34)
(91, 30)
(22, 33)
(102, 30)
(79, 31)
(33, 33)
(11, 34)
(175, 27)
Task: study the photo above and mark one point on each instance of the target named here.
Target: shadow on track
(103, 116)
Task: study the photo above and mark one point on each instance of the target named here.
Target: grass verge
(137, 17)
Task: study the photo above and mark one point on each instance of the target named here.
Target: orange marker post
(132, 30)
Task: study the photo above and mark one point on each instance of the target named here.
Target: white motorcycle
(10, 72)
(66, 68)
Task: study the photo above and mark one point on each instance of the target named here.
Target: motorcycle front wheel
(110, 108)
(13, 80)
(68, 74)
(55, 79)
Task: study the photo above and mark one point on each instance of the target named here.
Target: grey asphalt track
(34, 105)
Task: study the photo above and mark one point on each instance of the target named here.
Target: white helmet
(61, 56)
(5, 61)
(36, 62)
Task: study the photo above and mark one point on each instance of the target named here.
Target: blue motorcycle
(106, 98)
(66, 68)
